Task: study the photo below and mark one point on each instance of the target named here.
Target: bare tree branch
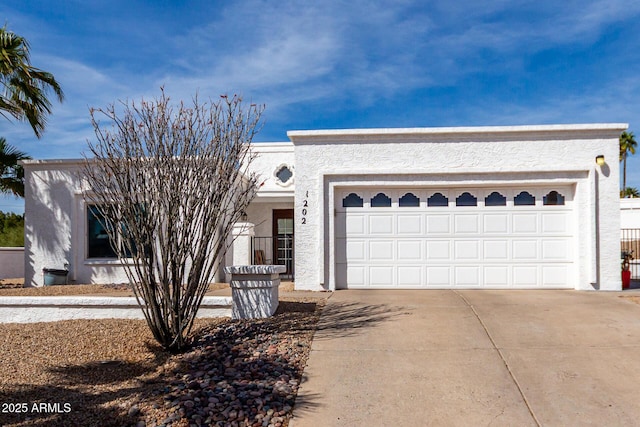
(169, 184)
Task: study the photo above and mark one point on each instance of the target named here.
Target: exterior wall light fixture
(600, 160)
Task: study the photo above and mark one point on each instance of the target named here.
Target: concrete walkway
(473, 358)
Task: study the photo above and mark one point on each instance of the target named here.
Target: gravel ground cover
(111, 373)
(16, 289)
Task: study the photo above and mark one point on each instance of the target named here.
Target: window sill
(106, 261)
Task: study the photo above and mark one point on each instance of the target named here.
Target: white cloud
(336, 54)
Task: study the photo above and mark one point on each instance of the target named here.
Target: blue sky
(337, 64)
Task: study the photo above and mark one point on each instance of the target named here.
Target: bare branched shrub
(169, 183)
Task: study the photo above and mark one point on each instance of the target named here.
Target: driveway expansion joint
(499, 351)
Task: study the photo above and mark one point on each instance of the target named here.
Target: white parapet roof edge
(274, 147)
(459, 130)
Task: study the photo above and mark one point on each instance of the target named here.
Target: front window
(98, 244)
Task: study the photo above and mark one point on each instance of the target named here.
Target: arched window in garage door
(409, 200)
(381, 201)
(495, 199)
(466, 199)
(553, 198)
(352, 201)
(524, 199)
(437, 199)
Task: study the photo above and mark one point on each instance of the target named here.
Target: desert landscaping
(112, 373)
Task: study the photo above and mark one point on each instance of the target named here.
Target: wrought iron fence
(274, 250)
(630, 243)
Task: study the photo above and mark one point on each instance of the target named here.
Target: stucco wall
(55, 223)
(270, 156)
(457, 157)
(55, 226)
(272, 194)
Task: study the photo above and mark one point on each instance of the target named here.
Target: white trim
(333, 183)
(295, 134)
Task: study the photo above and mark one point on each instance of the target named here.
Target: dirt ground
(14, 287)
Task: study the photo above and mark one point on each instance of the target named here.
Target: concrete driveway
(473, 358)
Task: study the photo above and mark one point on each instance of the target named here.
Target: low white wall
(630, 213)
(52, 309)
(11, 263)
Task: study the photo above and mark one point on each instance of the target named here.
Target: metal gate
(630, 243)
(274, 251)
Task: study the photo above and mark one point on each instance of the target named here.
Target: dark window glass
(553, 198)
(466, 199)
(437, 199)
(98, 244)
(352, 201)
(524, 199)
(284, 174)
(495, 199)
(381, 201)
(98, 239)
(409, 200)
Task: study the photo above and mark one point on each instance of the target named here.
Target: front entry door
(283, 239)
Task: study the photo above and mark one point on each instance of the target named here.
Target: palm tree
(630, 192)
(24, 88)
(627, 145)
(11, 173)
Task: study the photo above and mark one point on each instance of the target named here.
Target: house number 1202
(305, 205)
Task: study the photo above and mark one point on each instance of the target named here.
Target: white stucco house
(434, 208)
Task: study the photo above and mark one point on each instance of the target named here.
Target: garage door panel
(496, 250)
(355, 251)
(438, 276)
(525, 275)
(556, 249)
(555, 223)
(525, 249)
(381, 224)
(355, 225)
(497, 276)
(438, 250)
(525, 223)
(381, 250)
(467, 249)
(467, 275)
(438, 224)
(410, 250)
(356, 275)
(496, 223)
(495, 245)
(410, 276)
(466, 224)
(381, 275)
(409, 224)
(554, 275)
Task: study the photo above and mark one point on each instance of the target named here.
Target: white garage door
(445, 238)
